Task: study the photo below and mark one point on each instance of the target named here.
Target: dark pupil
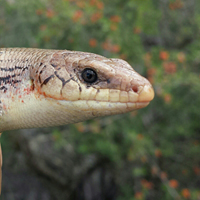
(89, 75)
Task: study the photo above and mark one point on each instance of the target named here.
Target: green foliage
(160, 39)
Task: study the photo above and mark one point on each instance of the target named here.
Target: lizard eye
(89, 75)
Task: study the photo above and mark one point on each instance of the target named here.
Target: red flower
(173, 183)
(164, 55)
(185, 193)
(115, 18)
(93, 42)
(77, 15)
(170, 67)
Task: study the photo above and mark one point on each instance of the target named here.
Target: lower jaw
(42, 113)
(102, 108)
(142, 104)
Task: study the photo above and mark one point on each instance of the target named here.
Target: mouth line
(94, 104)
(98, 101)
(141, 102)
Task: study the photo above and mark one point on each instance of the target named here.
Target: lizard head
(93, 83)
(57, 87)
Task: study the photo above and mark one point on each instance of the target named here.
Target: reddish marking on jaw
(38, 90)
(4, 107)
(32, 87)
(53, 97)
(28, 90)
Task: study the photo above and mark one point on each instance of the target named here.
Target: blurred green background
(153, 153)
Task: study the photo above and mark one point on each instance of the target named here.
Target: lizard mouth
(54, 112)
(102, 107)
(139, 99)
(117, 102)
(146, 94)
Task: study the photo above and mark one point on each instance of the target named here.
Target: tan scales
(40, 88)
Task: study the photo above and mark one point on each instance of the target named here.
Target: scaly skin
(40, 88)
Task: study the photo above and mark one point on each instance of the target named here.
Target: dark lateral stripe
(10, 82)
(9, 77)
(12, 69)
(7, 69)
(16, 81)
(53, 65)
(47, 80)
(24, 68)
(3, 88)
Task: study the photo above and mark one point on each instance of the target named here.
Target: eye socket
(89, 75)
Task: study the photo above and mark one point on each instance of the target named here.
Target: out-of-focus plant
(157, 149)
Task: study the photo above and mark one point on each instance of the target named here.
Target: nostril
(135, 89)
